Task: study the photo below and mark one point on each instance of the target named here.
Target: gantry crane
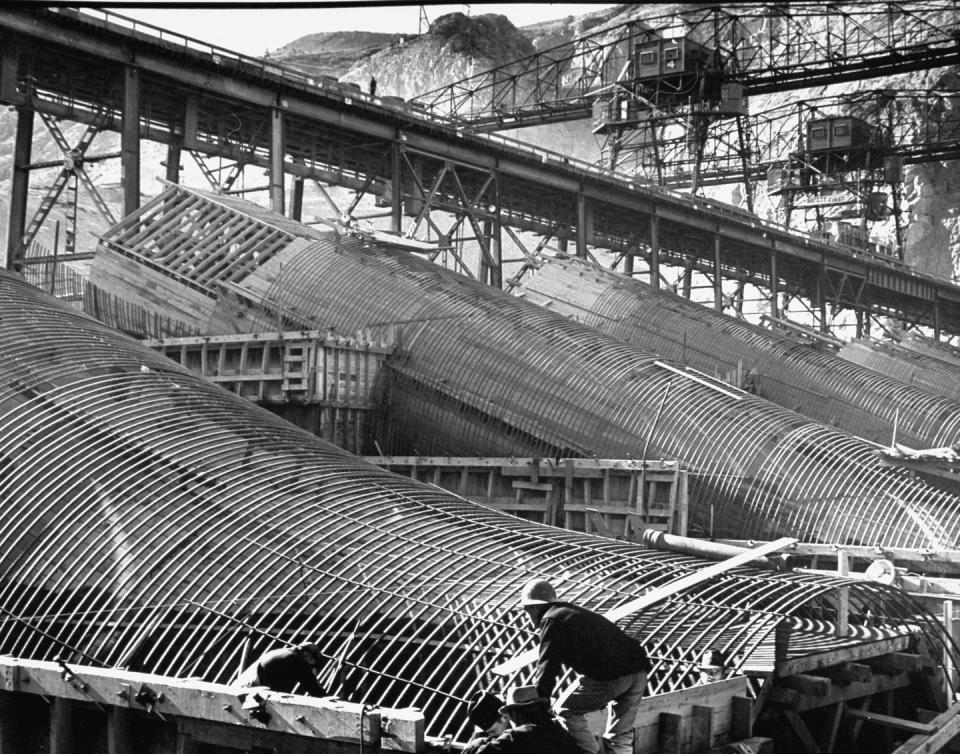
(668, 95)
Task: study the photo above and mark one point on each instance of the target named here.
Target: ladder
(296, 370)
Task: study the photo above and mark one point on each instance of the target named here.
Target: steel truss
(262, 116)
(767, 48)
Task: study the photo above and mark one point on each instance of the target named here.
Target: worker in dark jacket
(286, 669)
(612, 666)
(533, 731)
(489, 722)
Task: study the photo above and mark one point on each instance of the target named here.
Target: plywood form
(156, 291)
(614, 498)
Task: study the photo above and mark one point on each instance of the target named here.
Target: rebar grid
(490, 374)
(931, 371)
(155, 522)
(816, 383)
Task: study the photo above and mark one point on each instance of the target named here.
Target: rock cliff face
(456, 46)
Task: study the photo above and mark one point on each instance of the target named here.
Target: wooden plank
(754, 745)
(534, 486)
(846, 654)
(810, 685)
(803, 734)
(741, 717)
(668, 735)
(853, 691)
(947, 725)
(849, 672)
(892, 722)
(701, 729)
(897, 662)
(715, 696)
(328, 718)
(660, 593)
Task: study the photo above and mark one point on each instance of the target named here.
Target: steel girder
(154, 521)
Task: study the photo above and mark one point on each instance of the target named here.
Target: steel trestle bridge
(434, 180)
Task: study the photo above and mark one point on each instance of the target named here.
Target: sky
(256, 30)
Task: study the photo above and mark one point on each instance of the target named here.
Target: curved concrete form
(153, 521)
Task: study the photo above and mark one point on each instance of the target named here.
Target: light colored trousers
(622, 694)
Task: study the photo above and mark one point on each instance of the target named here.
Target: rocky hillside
(457, 46)
(332, 53)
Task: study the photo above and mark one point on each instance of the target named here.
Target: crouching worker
(533, 728)
(489, 722)
(612, 666)
(285, 670)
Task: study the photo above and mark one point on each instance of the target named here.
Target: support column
(61, 726)
(191, 121)
(276, 160)
(173, 163)
(486, 270)
(12, 737)
(774, 287)
(821, 300)
(717, 279)
(130, 140)
(654, 251)
(118, 731)
(296, 201)
(19, 186)
(628, 263)
(495, 244)
(396, 188)
(584, 224)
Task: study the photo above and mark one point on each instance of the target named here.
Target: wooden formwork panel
(301, 367)
(156, 291)
(609, 497)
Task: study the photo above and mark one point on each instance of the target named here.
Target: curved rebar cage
(818, 384)
(154, 521)
(480, 372)
(930, 371)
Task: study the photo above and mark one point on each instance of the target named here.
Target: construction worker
(612, 666)
(533, 729)
(286, 669)
(489, 722)
(713, 665)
